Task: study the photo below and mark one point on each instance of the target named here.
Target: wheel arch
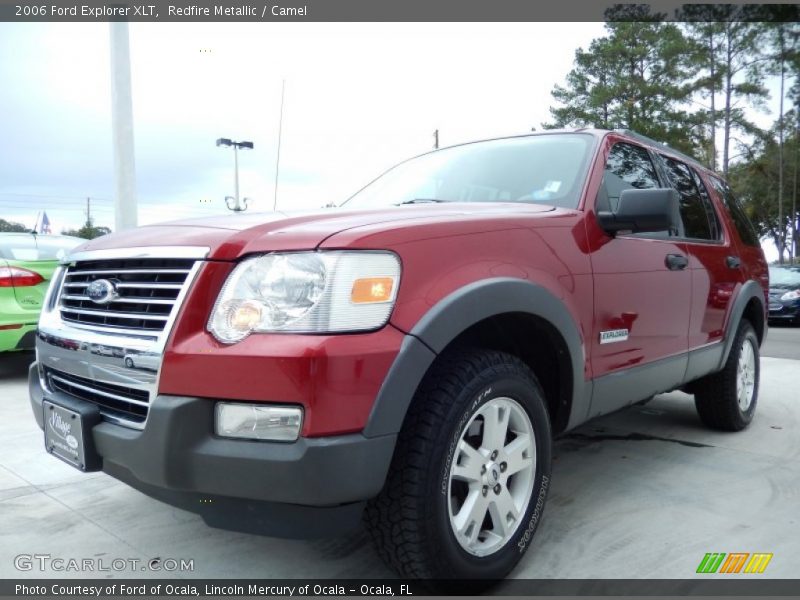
(501, 313)
(749, 304)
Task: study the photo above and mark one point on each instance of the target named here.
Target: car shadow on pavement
(14, 365)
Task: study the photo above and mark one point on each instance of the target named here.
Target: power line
(80, 201)
(51, 207)
(75, 205)
(49, 203)
(81, 198)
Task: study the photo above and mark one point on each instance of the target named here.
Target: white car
(142, 361)
(101, 350)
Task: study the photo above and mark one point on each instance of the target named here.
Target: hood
(231, 236)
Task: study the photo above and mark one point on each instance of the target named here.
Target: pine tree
(728, 41)
(783, 38)
(705, 30)
(756, 180)
(587, 98)
(633, 78)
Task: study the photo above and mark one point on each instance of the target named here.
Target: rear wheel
(470, 473)
(727, 400)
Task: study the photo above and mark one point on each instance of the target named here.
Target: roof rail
(647, 140)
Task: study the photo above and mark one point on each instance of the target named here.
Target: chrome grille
(115, 401)
(110, 354)
(146, 289)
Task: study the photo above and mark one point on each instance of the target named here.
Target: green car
(27, 262)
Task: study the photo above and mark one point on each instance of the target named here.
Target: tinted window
(740, 221)
(549, 169)
(627, 167)
(693, 213)
(713, 220)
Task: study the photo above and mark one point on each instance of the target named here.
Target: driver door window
(627, 167)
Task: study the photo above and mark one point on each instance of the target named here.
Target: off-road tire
(409, 521)
(715, 395)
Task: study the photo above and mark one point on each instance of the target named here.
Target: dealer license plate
(65, 435)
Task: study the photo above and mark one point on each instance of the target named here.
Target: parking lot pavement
(783, 341)
(645, 492)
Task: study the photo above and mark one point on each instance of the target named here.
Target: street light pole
(236, 175)
(238, 206)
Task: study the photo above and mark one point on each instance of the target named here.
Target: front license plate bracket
(68, 435)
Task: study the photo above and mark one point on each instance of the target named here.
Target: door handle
(733, 262)
(676, 262)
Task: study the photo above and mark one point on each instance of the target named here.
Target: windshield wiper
(422, 201)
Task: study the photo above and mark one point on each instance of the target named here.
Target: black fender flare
(454, 314)
(750, 290)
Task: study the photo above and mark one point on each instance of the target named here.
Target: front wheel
(727, 400)
(471, 471)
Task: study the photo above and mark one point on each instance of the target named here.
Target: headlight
(306, 292)
(793, 295)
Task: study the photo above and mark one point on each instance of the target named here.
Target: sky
(358, 98)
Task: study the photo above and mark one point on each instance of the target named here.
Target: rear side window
(740, 221)
(713, 219)
(627, 167)
(693, 212)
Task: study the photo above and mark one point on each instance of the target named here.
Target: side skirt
(620, 389)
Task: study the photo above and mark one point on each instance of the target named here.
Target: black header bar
(147, 589)
(183, 11)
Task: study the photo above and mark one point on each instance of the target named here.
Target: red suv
(408, 357)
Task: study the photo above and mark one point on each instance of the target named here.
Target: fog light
(258, 421)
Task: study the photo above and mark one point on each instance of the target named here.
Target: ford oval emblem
(101, 291)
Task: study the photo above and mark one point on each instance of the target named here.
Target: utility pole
(122, 127)
(88, 211)
(781, 224)
(436, 139)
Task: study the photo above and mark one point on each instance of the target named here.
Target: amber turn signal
(372, 289)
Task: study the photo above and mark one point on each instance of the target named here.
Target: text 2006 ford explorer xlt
(408, 357)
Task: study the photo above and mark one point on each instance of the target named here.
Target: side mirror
(642, 211)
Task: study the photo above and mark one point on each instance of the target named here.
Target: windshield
(36, 247)
(547, 169)
(778, 276)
